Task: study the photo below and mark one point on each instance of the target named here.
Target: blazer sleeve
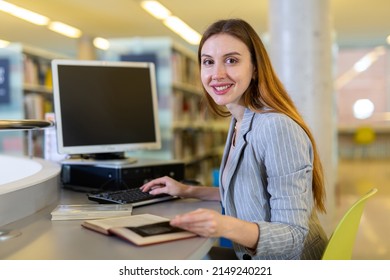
(288, 157)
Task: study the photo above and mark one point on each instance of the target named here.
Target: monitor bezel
(106, 148)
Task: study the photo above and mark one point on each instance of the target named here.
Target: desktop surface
(43, 239)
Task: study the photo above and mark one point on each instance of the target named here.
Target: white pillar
(301, 51)
(86, 49)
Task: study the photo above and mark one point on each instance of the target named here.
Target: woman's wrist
(242, 232)
(200, 192)
(187, 191)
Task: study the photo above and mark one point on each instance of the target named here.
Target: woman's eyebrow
(232, 53)
(226, 54)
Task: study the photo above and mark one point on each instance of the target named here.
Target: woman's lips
(221, 89)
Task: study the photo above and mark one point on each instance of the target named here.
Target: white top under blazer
(267, 179)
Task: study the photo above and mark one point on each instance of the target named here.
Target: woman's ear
(254, 74)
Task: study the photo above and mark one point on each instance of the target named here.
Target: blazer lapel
(231, 166)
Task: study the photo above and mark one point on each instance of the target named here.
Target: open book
(143, 229)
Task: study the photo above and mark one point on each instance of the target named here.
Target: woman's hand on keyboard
(171, 186)
(165, 185)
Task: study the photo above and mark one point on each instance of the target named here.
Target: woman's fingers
(155, 183)
(201, 221)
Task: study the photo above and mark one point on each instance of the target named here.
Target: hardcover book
(143, 229)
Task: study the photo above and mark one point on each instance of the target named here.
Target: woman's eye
(207, 62)
(231, 60)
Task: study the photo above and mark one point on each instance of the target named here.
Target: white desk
(43, 239)
(26, 185)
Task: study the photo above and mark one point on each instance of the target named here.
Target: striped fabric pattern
(266, 179)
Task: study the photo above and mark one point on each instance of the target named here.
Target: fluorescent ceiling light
(360, 66)
(181, 28)
(64, 29)
(156, 9)
(172, 22)
(38, 19)
(101, 43)
(23, 13)
(363, 63)
(4, 43)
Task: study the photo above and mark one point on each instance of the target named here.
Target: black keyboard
(132, 196)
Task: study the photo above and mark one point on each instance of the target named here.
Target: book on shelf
(90, 211)
(34, 105)
(30, 68)
(142, 229)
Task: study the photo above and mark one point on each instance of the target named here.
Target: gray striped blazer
(268, 181)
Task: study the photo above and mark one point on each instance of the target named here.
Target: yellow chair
(342, 240)
(364, 135)
(364, 139)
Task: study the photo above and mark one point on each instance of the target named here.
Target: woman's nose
(219, 72)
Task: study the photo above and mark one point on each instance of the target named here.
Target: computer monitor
(105, 108)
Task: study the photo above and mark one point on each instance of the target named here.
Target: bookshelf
(28, 91)
(189, 132)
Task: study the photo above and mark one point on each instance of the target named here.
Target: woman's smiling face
(226, 68)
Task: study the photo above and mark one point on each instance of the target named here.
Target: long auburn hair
(265, 91)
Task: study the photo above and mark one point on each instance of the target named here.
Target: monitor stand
(105, 156)
(118, 158)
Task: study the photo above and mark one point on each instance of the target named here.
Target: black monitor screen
(105, 107)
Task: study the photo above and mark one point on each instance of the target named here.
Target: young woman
(271, 181)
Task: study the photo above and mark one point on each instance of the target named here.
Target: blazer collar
(246, 126)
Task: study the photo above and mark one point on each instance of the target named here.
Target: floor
(355, 177)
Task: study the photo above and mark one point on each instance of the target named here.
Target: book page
(129, 228)
(104, 225)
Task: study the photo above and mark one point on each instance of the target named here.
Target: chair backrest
(342, 240)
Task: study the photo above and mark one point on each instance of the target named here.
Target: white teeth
(222, 88)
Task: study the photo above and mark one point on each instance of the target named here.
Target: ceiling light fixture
(172, 22)
(64, 29)
(156, 9)
(366, 61)
(23, 13)
(360, 66)
(363, 109)
(4, 43)
(101, 43)
(181, 28)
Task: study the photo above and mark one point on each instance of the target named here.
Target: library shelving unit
(26, 93)
(189, 132)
